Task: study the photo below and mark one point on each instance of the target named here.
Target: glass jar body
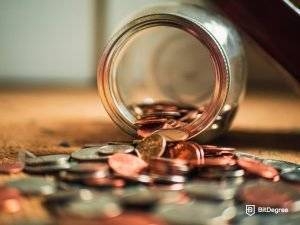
(174, 53)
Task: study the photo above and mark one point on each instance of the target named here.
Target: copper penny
(258, 168)
(187, 151)
(126, 164)
(212, 150)
(266, 194)
(152, 146)
(147, 121)
(171, 123)
(215, 161)
(11, 167)
(166, 166)
(10, 200)
(147, 130)
(190, 115)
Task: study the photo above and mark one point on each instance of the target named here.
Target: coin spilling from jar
(155, 180)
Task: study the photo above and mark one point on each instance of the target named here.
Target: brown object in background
(274, 25)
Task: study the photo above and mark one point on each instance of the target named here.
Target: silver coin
(89, 145)
(168, 179)
(196, 213)
(247, 155)
(101, 169)
(282, 166)
(62, 196)
(47, 168)
(292, 176)
(73, 177)
(210, 190)
(115, 148)
(89, 154)
(139, 197)
(34, 185)
(141, 178)
(88, 167)
(267, 220)
(47, 160)
(218, 173)
(98, 207)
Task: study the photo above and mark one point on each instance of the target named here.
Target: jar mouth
(106, 73)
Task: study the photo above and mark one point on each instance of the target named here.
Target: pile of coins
(163, 115)
(156, 180)
(153, 181)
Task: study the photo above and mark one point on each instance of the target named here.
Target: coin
(11, 167)
(126, 164)
(256, 167)
(62, 197)
(147, 121)
(152, 146)
(246, 155)
(190, 115)
(104, 182)
(210, 190)
(115, 148)
(187, 150)
(282, 166)
(139, 198)
(166, 166)
(98, 207)
(292, 176)
(221, 172)
(214, 161)
(89, 154)
(138, 178)
(172, 135)
(47, 160)
(168, 179)
(149, 129)
(266, 194)
(34, 185)
(101, 169)
(196, 213)
(47, 168)
(9, 200)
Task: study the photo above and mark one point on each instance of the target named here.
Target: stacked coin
(163, 115)
(47, 163)
(83, 172)
(156, 180)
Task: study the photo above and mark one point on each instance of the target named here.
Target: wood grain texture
(39, 120)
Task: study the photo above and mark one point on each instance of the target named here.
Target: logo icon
(250, 210)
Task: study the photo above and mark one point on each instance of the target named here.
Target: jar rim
(106, 84)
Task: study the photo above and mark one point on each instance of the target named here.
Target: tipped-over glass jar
(177, 69)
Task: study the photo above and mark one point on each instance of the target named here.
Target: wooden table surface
(266, 124)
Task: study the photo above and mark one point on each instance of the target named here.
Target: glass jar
(176, 53)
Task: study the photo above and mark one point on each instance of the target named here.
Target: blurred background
(59, 42)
